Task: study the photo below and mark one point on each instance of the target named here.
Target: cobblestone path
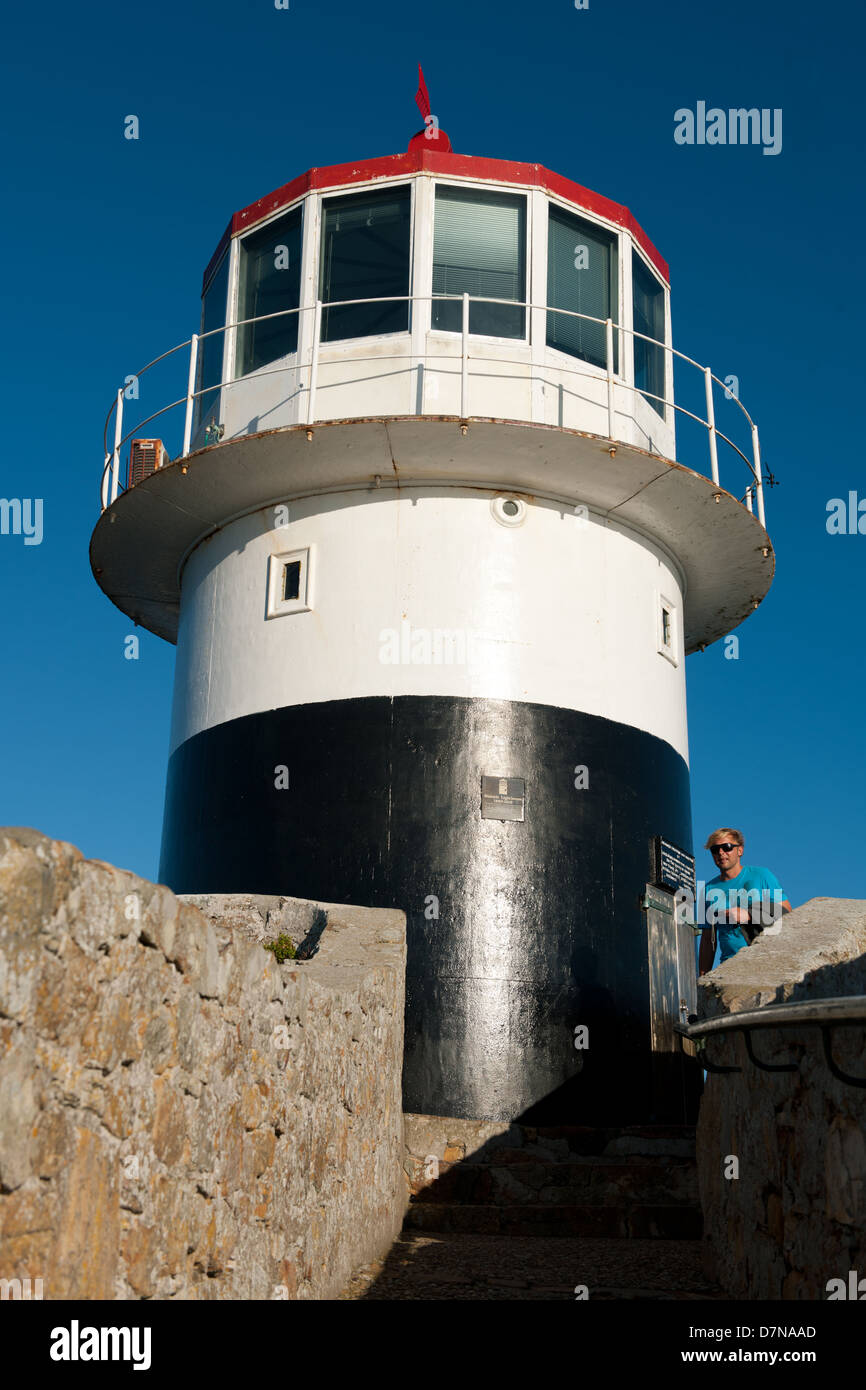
(455, 1266)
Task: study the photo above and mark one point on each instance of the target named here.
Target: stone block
(794, 1216)
(180, 1116)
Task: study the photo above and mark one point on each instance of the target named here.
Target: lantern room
(383, 269)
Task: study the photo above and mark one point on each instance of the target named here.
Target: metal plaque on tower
(503, 798)
(671, 867)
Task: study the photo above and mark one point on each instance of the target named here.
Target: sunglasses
(726, 847)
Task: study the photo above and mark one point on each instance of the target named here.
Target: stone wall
(796, 1215)
(180, 1116)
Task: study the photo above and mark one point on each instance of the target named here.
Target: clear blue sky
(106, 240)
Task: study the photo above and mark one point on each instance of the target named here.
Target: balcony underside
(142, 540)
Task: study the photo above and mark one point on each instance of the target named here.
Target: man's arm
(759, 916)
(761, 913)
(769, 913)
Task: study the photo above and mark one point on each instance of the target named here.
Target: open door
(673, 986)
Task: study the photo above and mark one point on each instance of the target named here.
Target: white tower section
(436, 592)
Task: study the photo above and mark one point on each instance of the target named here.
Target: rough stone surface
(433, 1142)
(796, 1215)
(495, 1268)
(180, 1116)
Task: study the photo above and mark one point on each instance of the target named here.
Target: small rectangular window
(289, 588)
(649, 318)
(582, 276)
(479, 248)
(269, 283)
(667, 631)
(365, 255)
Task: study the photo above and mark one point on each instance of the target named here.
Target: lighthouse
(415, 519)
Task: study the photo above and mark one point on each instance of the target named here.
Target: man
(739, 896)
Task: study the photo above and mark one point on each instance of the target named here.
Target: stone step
(630, 1182)
(664, 1221)
(579, 1181)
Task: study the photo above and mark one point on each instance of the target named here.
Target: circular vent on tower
(509, 511)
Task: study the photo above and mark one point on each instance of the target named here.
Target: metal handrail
(821, 1013)
(612, 378)
(848, 1008)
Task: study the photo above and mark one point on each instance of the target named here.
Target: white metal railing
(111, 469)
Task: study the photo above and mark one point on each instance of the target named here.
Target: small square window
(289, 587)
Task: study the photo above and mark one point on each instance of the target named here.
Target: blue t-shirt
(753, 887)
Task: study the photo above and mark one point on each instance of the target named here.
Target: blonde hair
(725, 833)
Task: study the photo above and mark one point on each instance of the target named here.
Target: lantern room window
(269, 282)
(210, 358)
(365, 255)
(479, 248)
(582, 276)
(649, 318)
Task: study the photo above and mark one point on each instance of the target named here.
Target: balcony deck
(143, 538)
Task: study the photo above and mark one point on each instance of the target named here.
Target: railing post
(669, 377)
(759, 482)
(749, 500)
(190, 393)
(464, 360)
(314, 362)
(611, 424)
(118, 435)
(711, 424)
(104, 489)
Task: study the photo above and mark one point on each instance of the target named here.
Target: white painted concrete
(559, 610)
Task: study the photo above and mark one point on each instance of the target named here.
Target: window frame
(277, 607)
(200, 416)
(473, 185)
(237, 332)
(669, 650)
(317, 228)
(616, 233)
(667, 372)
